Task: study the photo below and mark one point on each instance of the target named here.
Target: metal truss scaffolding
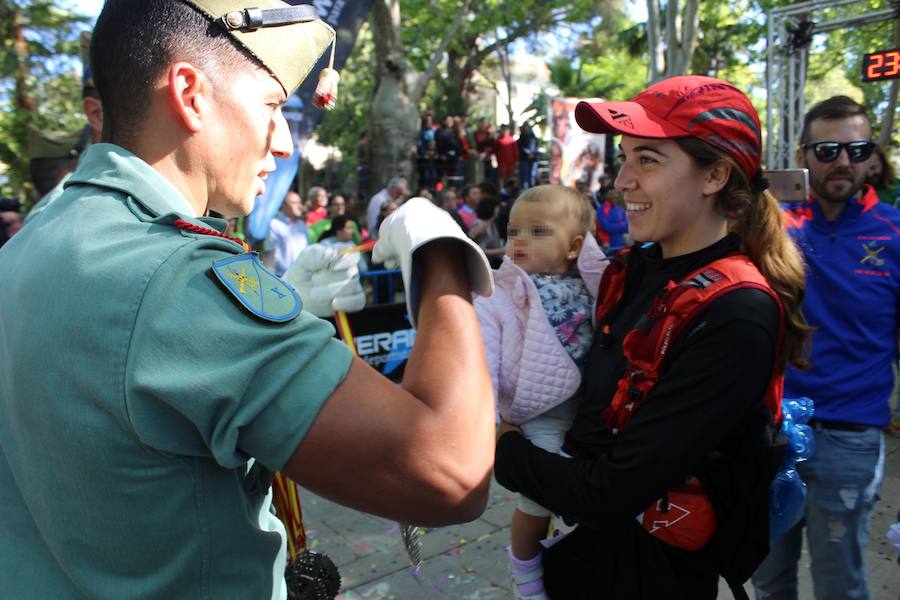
(791, 30)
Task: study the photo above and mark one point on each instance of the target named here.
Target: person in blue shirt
(851, 244)
(612, 222)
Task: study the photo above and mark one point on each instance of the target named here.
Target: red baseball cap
(706, 108)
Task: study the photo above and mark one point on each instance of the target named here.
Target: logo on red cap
(691, 105)
(621, 118)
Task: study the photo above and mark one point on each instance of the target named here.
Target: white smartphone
(788, 185)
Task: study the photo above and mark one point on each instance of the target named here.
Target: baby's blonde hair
(576, 205)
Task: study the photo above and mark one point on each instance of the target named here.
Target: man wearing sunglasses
(851, 244)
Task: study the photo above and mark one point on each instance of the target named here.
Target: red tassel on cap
(326, 90)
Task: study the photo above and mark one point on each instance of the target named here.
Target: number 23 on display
(884, 64)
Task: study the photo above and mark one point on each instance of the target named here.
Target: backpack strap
(612, 284)
(609, 294)
(646, 346)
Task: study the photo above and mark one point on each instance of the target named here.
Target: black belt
(839, 425)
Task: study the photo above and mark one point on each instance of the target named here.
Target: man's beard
(821, 186)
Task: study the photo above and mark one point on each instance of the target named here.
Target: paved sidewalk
(468, 562)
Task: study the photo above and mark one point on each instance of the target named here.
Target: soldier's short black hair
(135, 41)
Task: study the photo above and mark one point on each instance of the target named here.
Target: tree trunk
(887, 122)
(459, 77)
(459, 74)
(654, 45)
(394, 116)
(681, 36)
(506, 72)
(23, 99)
(671, 32)
(689, 35)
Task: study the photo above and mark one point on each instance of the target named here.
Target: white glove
(326, 281)
(416, 223)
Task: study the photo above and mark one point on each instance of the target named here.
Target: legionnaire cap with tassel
(287, 40)
(57, 144)
(326, 90)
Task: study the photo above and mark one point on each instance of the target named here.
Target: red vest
(684, 517)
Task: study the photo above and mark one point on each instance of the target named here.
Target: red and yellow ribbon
(287, 506)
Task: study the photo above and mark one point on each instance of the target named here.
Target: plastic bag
(787, 494)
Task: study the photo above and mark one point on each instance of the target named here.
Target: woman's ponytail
(758, 220)
(761, 229)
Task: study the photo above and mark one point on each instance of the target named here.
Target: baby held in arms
(537, 331)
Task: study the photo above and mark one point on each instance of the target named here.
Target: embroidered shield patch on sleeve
(257, 289)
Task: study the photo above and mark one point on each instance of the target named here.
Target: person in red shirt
(316, 203)
(507, 153)
(484, 144)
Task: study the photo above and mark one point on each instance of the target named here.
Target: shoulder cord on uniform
(187, 226)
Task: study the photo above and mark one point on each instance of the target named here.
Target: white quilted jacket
(530, 369)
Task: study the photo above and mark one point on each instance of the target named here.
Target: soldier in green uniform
(153, 374)
(53, 156)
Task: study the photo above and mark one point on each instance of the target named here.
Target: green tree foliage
(40, 81)
(609, 62)
(835, 61)
(489, 25)
(731, 45)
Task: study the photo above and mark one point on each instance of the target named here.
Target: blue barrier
(377, 277)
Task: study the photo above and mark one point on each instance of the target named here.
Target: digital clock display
(884, 64)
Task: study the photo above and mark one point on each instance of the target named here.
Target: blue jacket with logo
(852, 293)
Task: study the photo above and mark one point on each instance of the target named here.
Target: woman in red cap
(675, 443)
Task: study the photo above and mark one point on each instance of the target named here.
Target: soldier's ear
(93, 110)
(189, 95)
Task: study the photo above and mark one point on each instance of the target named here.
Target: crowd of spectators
(482, 210)
(449, 153)
(451, 160)
(477, 175)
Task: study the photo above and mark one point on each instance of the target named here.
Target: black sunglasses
(827, 152)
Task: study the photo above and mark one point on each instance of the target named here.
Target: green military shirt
(46, 201)
(136, 393)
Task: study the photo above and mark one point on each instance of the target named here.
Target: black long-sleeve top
(707, 403)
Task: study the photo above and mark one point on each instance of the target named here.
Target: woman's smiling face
(663, 189)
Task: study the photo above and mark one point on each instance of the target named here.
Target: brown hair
(887, 170)
(836, 107)
(574, 202)
(759, 221)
